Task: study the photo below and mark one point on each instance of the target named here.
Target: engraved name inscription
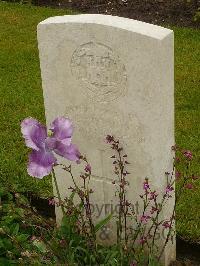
(94, 122)
(97, 67)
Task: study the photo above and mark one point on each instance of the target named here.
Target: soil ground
(172, 12)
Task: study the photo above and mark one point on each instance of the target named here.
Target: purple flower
(41, 162)
(62, 129)
(60, 141)
(34, 133)
(146, 185)
(88, 168)
(42, 159)
(169, 189)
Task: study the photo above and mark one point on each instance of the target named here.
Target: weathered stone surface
(112, 75)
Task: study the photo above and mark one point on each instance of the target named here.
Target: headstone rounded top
(136, 26)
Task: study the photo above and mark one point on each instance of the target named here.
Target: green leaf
(7, 244)
(40, 246)
(81, 206)
(5, 262)
(153, 261)
(22, 237)
(2, 192)
(71, 197)
(102, 223)
(14, 229)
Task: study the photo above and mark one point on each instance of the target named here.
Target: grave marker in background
(112, 75)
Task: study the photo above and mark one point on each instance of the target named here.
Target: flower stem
(57, 190)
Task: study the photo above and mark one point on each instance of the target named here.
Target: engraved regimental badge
(99, 70)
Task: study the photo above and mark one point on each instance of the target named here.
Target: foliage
(27, 238)
(197, 15)
(136, 232)
(21, 231)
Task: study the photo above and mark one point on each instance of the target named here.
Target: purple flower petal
(62, 128)
(70, 152)
(34, 133)
(40, 163)
(50, 143)
(58, 146)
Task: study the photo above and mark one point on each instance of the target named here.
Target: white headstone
(112, 75)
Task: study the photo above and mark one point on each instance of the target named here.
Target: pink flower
(109, 139)
(62, 242)
(166, 225)
(153, 195)
(52, 202)
(133, 263)
(178, 174)
(188, 154)
(189, 186)
(33, 238)
(153, 209)
(142, 240)
(145, 218)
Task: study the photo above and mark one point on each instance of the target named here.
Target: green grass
(187, 130)
(20, 90)
(21, 96)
